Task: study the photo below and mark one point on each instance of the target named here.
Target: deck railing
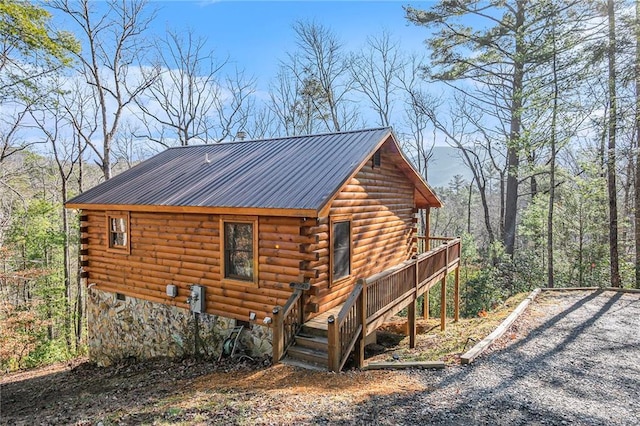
(344, 330)
(428, 243)
(385, 294)
(287, 323)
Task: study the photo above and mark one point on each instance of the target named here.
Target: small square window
(118, 231)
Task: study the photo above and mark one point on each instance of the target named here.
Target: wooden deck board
(320, 322)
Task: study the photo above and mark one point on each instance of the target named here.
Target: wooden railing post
(363, 322)
(425, 304)
(427, 229)
(443, 291)
(411, 313)
(333, 334)
(278, 335)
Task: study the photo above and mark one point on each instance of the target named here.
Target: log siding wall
(184, 249)
(380, 202)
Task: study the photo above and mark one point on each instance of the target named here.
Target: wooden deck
(372, 302)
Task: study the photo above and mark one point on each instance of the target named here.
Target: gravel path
(572, 358)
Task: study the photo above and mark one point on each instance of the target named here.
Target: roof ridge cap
(344, 132)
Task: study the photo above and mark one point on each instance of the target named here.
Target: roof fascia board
(248, 211)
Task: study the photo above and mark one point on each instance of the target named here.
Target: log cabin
(304, 245)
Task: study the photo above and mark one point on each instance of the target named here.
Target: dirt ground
(571, 358)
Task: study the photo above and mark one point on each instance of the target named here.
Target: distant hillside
(444, 165)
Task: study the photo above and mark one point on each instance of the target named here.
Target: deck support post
(411, 323)
(443, 303)
(456, 295)
(278, 335)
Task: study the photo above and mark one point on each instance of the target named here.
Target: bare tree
(114, 39)
(235, 105)
(51, 121)
(192, 100)
(375, 71)
(261, 125)
(322, 71)
(417, 103)
(461, 131)
(182, 99)
(12, 128)
(292, 103)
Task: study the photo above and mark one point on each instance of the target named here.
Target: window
(239, 250)
(118, 231)
(376, 159)
(340, 248)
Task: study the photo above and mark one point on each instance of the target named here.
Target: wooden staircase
(309, 351)
(310, 348)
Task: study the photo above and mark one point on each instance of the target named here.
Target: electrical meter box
(197, 300)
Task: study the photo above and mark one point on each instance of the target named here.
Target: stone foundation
(135, 328)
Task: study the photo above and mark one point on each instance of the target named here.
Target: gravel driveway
(572, 358)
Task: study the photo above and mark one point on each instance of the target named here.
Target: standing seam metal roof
(286, 173)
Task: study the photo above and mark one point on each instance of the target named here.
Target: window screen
(341, 234)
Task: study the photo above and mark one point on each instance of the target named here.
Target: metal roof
(300, 173)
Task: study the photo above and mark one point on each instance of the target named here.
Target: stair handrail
(287, 323)
(345, 329)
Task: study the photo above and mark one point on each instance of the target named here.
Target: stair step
(309, 355)
(312, 342)
(312, 331)
(302, 364)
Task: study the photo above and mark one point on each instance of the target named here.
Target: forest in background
(540, 100)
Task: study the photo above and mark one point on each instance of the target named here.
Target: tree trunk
(637, 125)
(79, 297)
(513, 154)
(65, 266)
(611, 149)
(552, 165)
(469, 207)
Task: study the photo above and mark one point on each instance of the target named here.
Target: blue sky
(256, 34)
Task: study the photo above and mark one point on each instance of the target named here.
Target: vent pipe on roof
(241, 135)
(206, 158)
